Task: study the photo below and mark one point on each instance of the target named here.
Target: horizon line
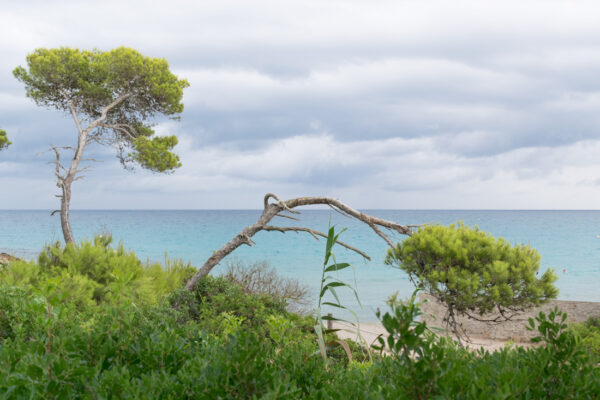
(304, 209)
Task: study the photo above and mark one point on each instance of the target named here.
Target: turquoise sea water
(566, 240)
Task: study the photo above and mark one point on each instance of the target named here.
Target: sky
(387, 104)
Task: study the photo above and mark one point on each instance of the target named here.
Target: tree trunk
(65, 180)
(64, 213)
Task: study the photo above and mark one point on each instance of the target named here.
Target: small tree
(473, 273)
(111, 96)
(4, 142)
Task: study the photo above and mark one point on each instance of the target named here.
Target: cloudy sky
(387, 104)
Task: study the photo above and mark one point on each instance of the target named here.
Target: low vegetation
(589, 335)
(91, 321)
(93, 272)
(262, 278)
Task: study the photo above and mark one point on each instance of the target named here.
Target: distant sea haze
(568, 241)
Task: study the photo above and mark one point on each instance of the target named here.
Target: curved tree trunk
(65, 222)
(64, 182)
(274, 209)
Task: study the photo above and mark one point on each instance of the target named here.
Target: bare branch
(368, 219)
(106, 109)
(287, 216)
(314, 234)
(339, 212)
(125, 129)
(281, 203)
(54, 212)
(381, 234)
(75, 117)
(58, 166)
(284, 229)
(272, 210)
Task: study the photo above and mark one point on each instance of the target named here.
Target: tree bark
(65, 222)
(274, 209)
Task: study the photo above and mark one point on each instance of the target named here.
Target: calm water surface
(567, 241)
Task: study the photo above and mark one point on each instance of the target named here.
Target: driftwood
(276, 208)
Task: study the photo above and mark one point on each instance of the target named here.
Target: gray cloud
(389, 104)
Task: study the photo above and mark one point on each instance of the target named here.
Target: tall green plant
(329, 284)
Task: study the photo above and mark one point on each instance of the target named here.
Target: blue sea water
(566, 240)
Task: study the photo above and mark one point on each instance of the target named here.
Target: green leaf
(329, 245)
(321, 341)
(327, 303)
(332, 285)
(334, 293)
(337, 267)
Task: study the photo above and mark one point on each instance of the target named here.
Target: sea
(568, 241)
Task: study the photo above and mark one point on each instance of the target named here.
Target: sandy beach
(370, 331)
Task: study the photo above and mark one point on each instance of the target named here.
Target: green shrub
(221, 342)
(473, 273)
(93, 272)
(18, 312)
(127, 351)
(437, 368)
(261, 278)
(215, 296)
(589, 335)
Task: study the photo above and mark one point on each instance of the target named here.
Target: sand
(370, 332)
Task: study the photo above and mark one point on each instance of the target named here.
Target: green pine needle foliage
(87, 81)
(4, 142)
(155, 154)
(472, 271)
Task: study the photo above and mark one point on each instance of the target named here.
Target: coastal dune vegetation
(90, 320)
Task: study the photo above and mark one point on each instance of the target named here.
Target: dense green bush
(150, 352)
(221, 342)
(472, 272)
(217, 303)
(127, 351)
(18, 312)
(93, 272)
